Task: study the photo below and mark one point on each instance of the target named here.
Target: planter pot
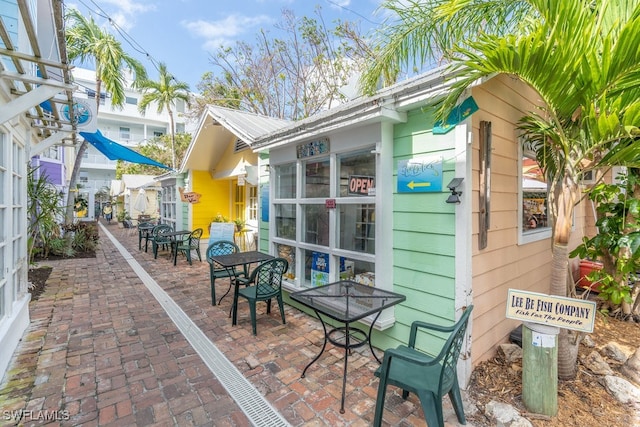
(587, 267)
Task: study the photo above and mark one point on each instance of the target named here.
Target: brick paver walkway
(100, 350)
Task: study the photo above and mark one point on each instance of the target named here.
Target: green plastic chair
(159, 239)
(222, 247)
(190, 242)
(267, 284)
(428, 377)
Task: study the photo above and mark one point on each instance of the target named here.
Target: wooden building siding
(504, 263)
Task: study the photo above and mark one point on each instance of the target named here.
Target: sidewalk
(101, 350)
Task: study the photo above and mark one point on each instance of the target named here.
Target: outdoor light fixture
(455, 195)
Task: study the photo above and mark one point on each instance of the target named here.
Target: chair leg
(252, 311)
(432, 408)
(268, 306)
(281, 304)
(234, 309)
(213, 287)
(198, 252)
(382, 388)
(188, 252)
(456, 401)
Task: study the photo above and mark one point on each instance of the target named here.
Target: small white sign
(543, 340)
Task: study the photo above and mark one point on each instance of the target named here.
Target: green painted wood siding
(423, 230)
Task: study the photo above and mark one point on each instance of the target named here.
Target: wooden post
(540, 368)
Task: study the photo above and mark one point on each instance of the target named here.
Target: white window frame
(299, 245)
(528, 236)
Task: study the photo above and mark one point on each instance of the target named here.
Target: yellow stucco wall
(215, 198)
(217, 194)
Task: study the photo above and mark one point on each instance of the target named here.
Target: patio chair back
(158, 237)
(267, 278)
(430, 378)
(190, 242)
(267, 284)
(221, 247)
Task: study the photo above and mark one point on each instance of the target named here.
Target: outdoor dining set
(338, 306)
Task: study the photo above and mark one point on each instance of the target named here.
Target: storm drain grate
(251, 402)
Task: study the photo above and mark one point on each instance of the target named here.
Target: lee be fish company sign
(552, 310)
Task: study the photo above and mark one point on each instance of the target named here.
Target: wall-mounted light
(455, 194)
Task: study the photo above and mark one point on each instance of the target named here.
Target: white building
(32, 72)
(125, 126)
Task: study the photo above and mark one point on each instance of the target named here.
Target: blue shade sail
(115, 151)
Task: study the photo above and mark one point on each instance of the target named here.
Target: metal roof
(32, 75)
(389, 104)
(221, 126)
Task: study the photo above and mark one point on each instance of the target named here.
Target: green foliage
(618, 238)
(44, 210)
(220, 218)
(122, 215)
(84, 236)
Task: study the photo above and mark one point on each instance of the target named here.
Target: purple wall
(53, 171)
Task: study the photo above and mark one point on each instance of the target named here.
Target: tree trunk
(565, 196)
(78, 160)
(568, 344)
(173, 139)
(72, 182)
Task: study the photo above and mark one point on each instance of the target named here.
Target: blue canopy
(115, 151)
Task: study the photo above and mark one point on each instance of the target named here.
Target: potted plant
(617, 243)
(240, 224)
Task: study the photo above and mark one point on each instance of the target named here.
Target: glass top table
(346, 302)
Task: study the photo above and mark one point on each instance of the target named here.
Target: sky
(184, 33)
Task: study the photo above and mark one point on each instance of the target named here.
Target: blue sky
(183, 33)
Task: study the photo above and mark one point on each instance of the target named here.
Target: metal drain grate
(251, 402)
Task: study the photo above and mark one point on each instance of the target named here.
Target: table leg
(346, 361)
(324, 345)
(369, 337)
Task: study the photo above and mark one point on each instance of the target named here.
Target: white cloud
(224, 31)
(126, 11)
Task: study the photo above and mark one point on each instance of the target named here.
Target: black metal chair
(158, 238)
(190, 242)
(222, 247)
(264, 284)
(430, 378)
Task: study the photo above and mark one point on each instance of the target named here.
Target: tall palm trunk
(173, 138)
(563, 200)
(78, 160)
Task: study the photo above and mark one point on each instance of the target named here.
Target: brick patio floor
(101, 351)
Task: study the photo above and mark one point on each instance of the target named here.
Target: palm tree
(164, 93)
(582, 58)
(87, 42)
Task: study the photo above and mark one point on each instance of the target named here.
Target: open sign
(361, 185)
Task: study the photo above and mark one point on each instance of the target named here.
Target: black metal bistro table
(144, 232)
(175, 237)
(346, 302)
(230, 261)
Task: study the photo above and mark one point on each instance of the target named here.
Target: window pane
(286, 221)
(316, 179)
(316, 268)
(534, 197)
(289, 253)
(316, 225)
(357, 174)
(358, 271)
(285, 181)
(357, 227)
